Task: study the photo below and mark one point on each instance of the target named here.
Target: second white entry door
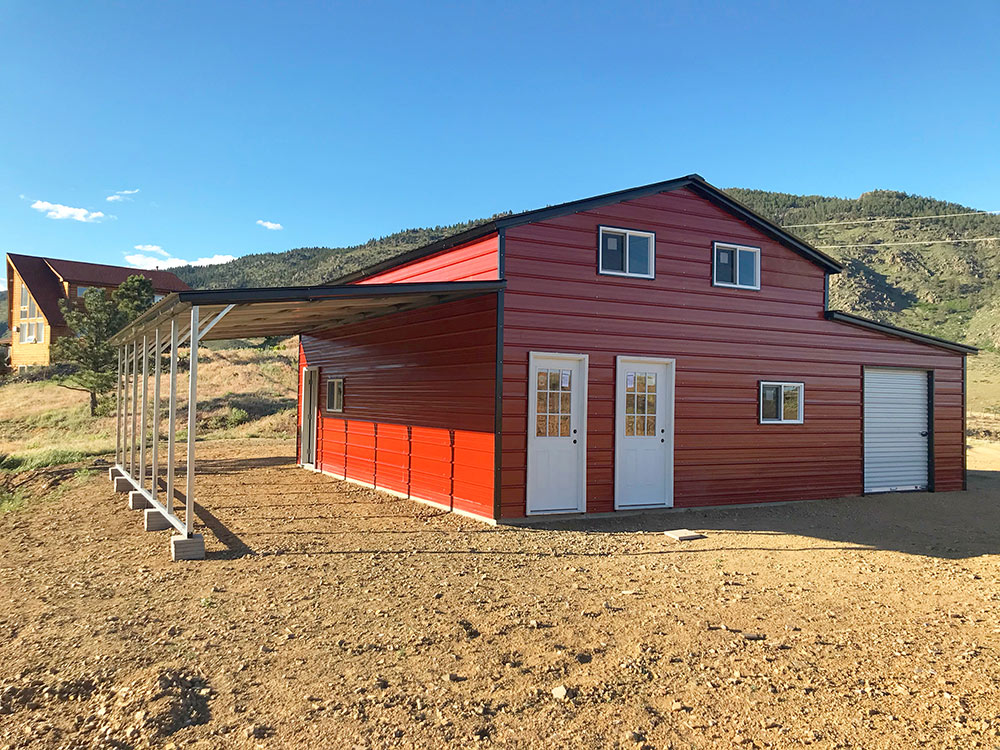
(557, 433)
(644, 433)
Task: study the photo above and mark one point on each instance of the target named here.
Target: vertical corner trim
(498, 402)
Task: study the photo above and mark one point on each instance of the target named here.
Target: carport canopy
(290, 311)
(187, 319)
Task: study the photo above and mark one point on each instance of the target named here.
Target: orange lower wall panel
(449, 467)
(419, 396)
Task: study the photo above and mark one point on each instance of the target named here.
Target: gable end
(693, 181)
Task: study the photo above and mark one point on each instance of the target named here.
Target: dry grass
(984, 382)
(242, 393)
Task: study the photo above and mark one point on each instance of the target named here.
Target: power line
(900, 218)
(892, 244)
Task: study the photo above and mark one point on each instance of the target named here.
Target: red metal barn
(657, 347)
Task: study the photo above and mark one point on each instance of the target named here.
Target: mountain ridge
(942, 288)
(947, 289)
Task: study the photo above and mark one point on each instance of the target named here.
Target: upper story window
(81, 290)
(781, 403)
(626, 252)
(28, 308)
(157, 298)
(735, 266)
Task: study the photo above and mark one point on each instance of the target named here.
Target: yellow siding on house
(26, 355)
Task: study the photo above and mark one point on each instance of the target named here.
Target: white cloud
(213, 260)
(59, 211)
(152, 249)
(150, 262)
(121, 195)
(269, 224)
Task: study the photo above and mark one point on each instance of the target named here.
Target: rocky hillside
(945, 288)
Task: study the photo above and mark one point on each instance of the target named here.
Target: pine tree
(92, 325)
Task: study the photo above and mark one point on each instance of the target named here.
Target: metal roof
(99, 274)
(903, 333)
(695, 182)
(288, 311)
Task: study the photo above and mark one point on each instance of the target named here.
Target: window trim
(761, 384)
(737, 249)
(651, 236)
(326, 406)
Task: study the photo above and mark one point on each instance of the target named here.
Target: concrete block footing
(123, 485)
(187, 548)
(138, 501)
(113, 473)
(156, 521)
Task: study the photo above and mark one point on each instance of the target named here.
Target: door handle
(923, 433)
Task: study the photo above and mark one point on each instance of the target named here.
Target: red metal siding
(724, 341)
(474, 261)
(418, 402)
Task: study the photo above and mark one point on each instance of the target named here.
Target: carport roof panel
(287, 311)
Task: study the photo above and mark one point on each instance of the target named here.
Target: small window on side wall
(735, 266)
(335, 394)
(626, 252)
(781, 403)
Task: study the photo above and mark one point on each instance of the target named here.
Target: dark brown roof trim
(923, 338)
(693, 181)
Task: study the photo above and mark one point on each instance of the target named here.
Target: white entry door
(307, 430)
(644, 433)
(897, 430)
(557, 433)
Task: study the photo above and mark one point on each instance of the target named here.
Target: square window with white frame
(736, 266)
(626, 252)
(335, 394)
(781, 403)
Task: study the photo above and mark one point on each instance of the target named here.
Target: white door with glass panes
(644, 433)
(557, 433)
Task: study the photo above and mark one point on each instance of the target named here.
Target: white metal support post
(118, 411)
(192, 417)
(127, 405)
(142, 413)
(171, 415)
(187, 545)
(154, 479)
(135, 413)
(124, 389)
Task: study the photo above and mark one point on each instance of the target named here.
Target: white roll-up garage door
(896, 430)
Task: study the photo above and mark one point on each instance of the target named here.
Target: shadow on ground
(949, 525)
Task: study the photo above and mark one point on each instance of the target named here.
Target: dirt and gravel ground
(331, 616)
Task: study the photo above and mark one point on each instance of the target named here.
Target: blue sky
(340, 122)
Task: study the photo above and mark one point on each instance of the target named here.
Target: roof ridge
(693, 180)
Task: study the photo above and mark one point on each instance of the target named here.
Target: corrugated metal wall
(724, 340)
(418, 402)
(474, 261)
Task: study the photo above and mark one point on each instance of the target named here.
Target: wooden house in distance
(34, 287)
